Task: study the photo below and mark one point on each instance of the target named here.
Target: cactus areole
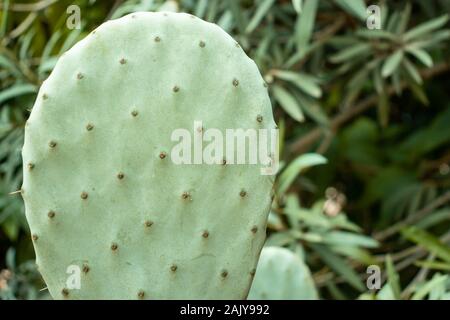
(111, 215)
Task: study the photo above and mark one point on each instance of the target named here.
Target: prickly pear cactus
(282, 275)
(103, 198)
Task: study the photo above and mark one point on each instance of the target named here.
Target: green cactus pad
(282, 275)
(101, 192)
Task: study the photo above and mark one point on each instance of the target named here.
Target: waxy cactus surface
(282, 275)
(105, 201)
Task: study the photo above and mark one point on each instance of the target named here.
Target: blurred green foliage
(365, 122)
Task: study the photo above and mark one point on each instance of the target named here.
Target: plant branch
(443, 199)
(302, 144)
(26, 7)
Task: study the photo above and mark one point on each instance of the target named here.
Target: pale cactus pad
(102, 194)
(282, 275)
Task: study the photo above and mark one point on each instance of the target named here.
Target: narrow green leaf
(376, 34)
(305, 24)
(335, 292)
(421, 55)
(356, 8)
(384, 14)
(297, 5)
(4, 22)
(226, 21)
(310, 217)
(356, 253)
(291, 208)
(392, 22)
(391, 63)
(24, 51)
(308, 236)
(426, 27)
(349, 239)
(434, 218)
(213, 9)
(339, 265)
(288, 103)
(412, 71)
(16, 91)
(295, 167)
(299, 55)
(261, 11)
(427, 241)
(303, 81)
(7, 64)
(393, 278)
(435, 265)
(350, 52)
(50, 45)
(48, 64)
(419, 93)
(313, 109)
(237, 15)
(434, 39)
(404, 19)
(341, 221)
(200, 8)
(341, 41)
(437, 280)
